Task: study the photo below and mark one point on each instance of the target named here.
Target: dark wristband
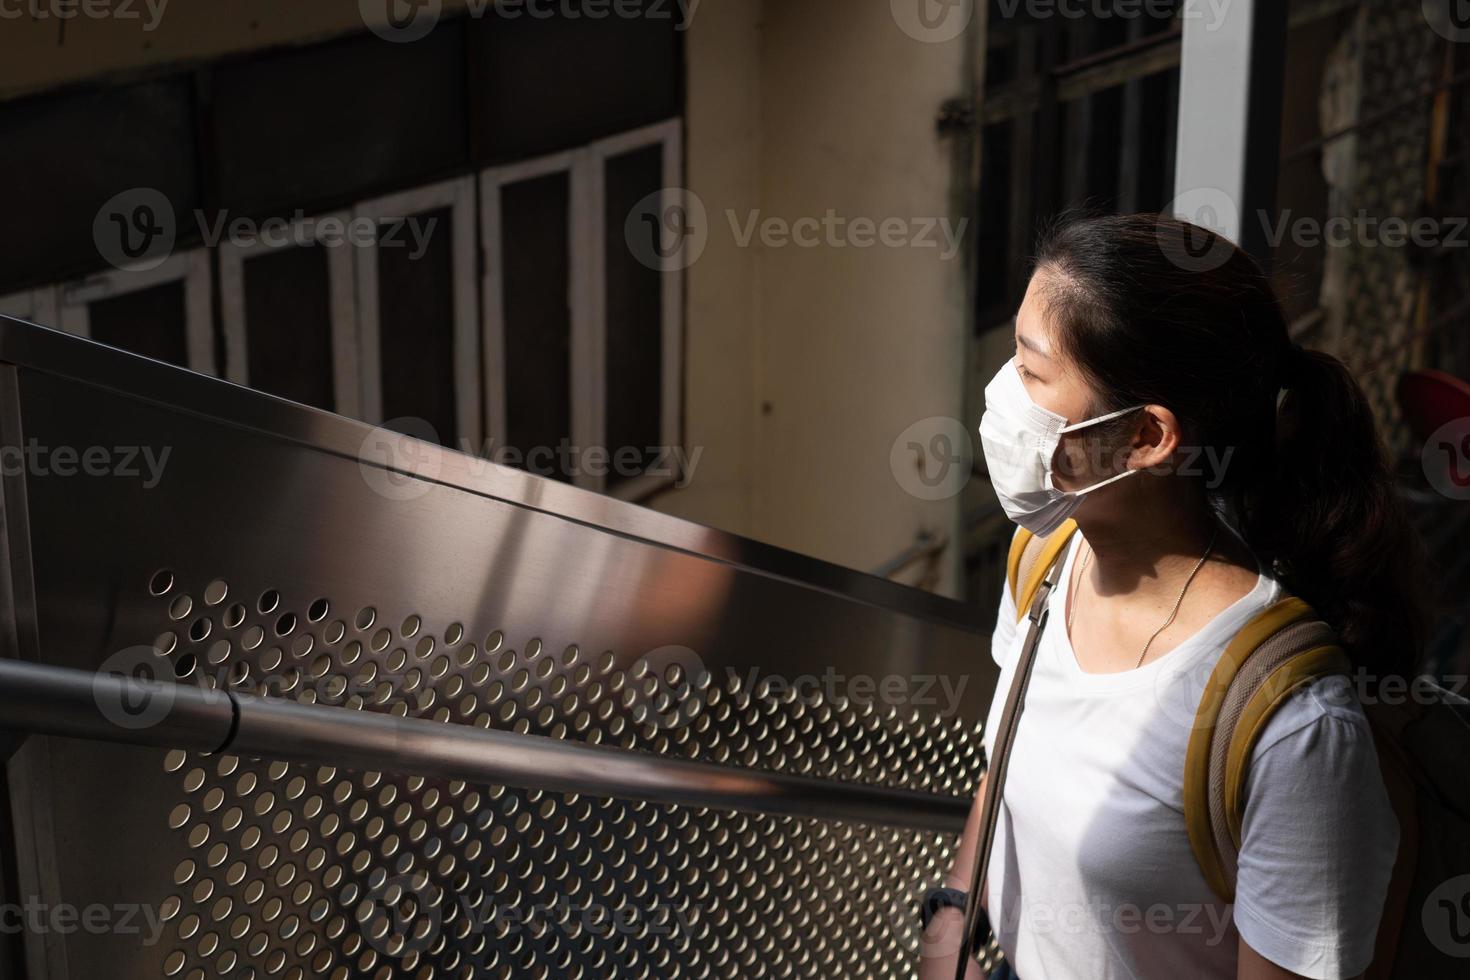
(940, 898)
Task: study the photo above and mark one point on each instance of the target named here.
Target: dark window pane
(288, 313)
(416, 324)
(332, 123)
(66, 156)
(634, 322)
(535, 267)
(148, 322)
(555, 82)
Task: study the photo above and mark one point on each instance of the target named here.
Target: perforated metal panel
(269, 557)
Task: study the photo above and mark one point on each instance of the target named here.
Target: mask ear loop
(1101, 418)
(1081, 425)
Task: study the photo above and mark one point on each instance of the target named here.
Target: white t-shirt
(1098, 881)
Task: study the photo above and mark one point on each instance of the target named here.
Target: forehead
(1032, 330)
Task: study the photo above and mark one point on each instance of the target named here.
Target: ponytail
(1329, 518)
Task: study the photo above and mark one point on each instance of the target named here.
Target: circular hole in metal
(180, 607)
(235, 615)
(366, 617)
(185, 665)
(286, 624)
(215, 592)
(318, 610)
(161, 582)
(411, 626)
(269, 600)
(199, 632)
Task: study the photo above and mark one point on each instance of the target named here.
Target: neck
(1131, 557)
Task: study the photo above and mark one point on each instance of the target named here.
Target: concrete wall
(844, 347)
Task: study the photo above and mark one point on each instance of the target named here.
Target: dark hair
(1156, 310)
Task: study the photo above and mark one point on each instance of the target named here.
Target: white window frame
(587, 291)
(34, 305)
(669, 135)
(191, 268)
(346, 387)
(459, 196)
(493, 289)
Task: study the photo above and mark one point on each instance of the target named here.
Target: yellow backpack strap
(1030, 559)
(1282, 648)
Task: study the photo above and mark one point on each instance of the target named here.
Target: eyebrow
(1032, 345)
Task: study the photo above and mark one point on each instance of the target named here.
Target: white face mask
(1020, 440)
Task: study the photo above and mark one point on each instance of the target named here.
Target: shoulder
(1320, 728)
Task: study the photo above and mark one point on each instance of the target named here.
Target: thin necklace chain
(1072, 610)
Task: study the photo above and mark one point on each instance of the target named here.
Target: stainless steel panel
(277, 551)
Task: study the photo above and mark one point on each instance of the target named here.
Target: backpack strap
(1030, 558)
(1284, 647)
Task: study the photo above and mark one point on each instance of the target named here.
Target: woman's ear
(1156, 437)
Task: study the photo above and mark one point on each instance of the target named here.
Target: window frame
(346, 385)
(586, 298)
(459, 196)
(34, 306)
(192, 268)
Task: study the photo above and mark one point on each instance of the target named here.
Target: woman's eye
(1025, 374)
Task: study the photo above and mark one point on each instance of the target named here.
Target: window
(582, 341)
(163, 313)
(416, 302)
(289, 314)
(36, 306)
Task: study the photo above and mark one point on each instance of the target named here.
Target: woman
(1211, 466)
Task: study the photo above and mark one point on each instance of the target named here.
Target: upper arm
(1251, 965)
(1318, 843)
